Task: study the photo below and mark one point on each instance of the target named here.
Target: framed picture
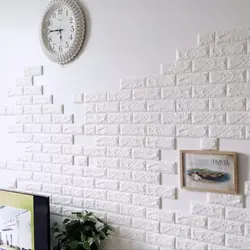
(209, 171)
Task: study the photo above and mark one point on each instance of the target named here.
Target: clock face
(60, 27)
(62, 30)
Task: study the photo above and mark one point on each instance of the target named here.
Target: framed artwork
(209, 171)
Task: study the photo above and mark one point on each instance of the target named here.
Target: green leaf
(66, 221)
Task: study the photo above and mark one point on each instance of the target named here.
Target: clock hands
(59, 30)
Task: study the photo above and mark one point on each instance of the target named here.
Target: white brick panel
(95, 97)
(43, 158)
(95, 151)
(176, 92)
(134, 211)
(225, 199)
(109, 141)
(43, 119)
(81, 161)
(186, 244)
(52, 188)
(14, 165)
(238, 118)
(119, 219)
(146, 118)
(107, 107)
(42, 138)
(209, 118)
(16, 91)
(161, 106)
(176, 118)
(73, 149)
(72, 170)
(233, 132)
(96, 119)
(133, 106)
(193, 53)
(161, 167)
(131, 141)
(17, 128)
(73, 129)
(33, 71)
(132, 233)
(211, 91)
(96, 194)
(122, 118)
(177, 67)
(52, 168)
(43, 99)
(135, 129)
(62, 139)
(136, 245)
(206, 38)
(160, 130)
(208, 236)
(208, 210)
(119, 197)
(192, 105)
(229, 104)
(227, 36)
(161, 81)
(125, 95)
(83, 182)
(247, 230)
(161, 191)
(209, 64)
(104, 162)
(89, 108)
(62, 119)
(153, 178)
(132, 187)
(33, 148)
(192, 78)
(24, 138)
(52, 149)
(132, 83)
(161, 143)
(116, 152)
(13, 110)
(67, 211)
(227, 76)
(29, 185)
(107, 184)
(247, 188)
(62, 159)
(198, 221)
(160, 215)
(209, 143)
(24, 81)
(42, 177)
(78, 202)
(145, 154)
(238, 242)
(238, 62)
(33, 90)
(115, 174)
(147, 225)
(228, 49)
(24, 119)
(52, 128)
(175, 230)
(33, 167)
(73, 191)
(95, 172)
(24, 100)
(225, 226)
(59, 199)
(148, 94)
(107, 129)
(32, 109)
(53, 109)
(78, 98)
(191, 131)
(136, 165)
(146, 201)
(161, 240)
(107, 206)
(56, 209)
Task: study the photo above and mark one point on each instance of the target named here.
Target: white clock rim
(66, 57)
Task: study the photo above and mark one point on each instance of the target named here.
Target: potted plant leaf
(84, 231)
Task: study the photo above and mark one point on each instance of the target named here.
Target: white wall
(124, 38)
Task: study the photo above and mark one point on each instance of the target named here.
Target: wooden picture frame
(218, 173)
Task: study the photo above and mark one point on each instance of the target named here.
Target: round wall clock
(62, 30)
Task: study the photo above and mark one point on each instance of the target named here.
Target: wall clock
(62, 30)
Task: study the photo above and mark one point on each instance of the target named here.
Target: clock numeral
(53, 46)
(50, 39)
(60, 48)
(71, 19)
(60, 11)
(71, 37)
(72, 28)
(66, 45)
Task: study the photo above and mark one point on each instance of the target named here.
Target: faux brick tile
(95, 97)
(176, 118)
(83, 182)
(72, 149)
(161, 240)
(52, 149)
(95, 151)
(227, 36)
(132, 233)
(161, 130)
(24, 100)
(238, 118)
(160, 215)
(125, 95)
(233, 132)
(209, 91)
(133, 106)
(42, 138)
(95, 172)
(192, 105)
(24, 119)
(229, 104)
(133, 187)
(43, 99)
(146, 201)
(89, 108)
(247, 188)
(104, 162)
(238, 90)
(227, 76)
(191, 131)
(62, 159)
(43, 158)
(52, 109)
(122, 118)
(225, 199)
(119, 219)
(62, 119)
(33, 90)
(97, 194)
(238, 62)
(146, 118)
(134, 211)
(153, 178)
(209, 118)
(24, 81)
(32, 109)
(52, 168)
(13, 110)
(238, 214)
(198, 221)
(62, 139)
(177, 67)
(109, 141)
(161, 106)
(73, 191)
(192, 78)
(209, 143)
(182, 243)
(161, 143)
(24, 138)
(145, 154)
(107, 107)
(135, 129)
(161, 191)
(73, 129)
(43, 119)
(96, 119)
(33, 71)
(193, 53)
(238, 242)
(147, 93)
(161, 81)
(107, 184)
(136, 165)
(132, 83)
(119, 197)
(52, 128)
(16, 91)
(206, 38)
(175, 230)
(161, 167)
(176, 92)
(209, 64)
(116, 152)
(131, 141)
(143, 224)
(103, 129)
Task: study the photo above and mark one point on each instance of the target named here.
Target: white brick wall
(204, 95)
